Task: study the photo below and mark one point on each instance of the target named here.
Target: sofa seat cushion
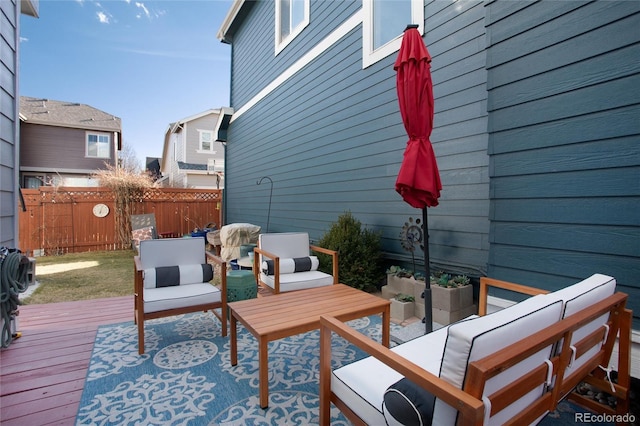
(364, 392)
(473, 340)
(299, 280)
(291, 265)
(168, 276)
(160, 299)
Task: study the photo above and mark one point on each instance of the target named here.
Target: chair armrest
(137, 263)
(276, 266)
(486, 282)
(471, 408)
(334, 260)
(223, 272)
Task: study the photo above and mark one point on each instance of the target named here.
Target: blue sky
(148, 62)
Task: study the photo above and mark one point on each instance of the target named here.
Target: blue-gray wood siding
(564, 127)
(332, 139)
(9, 35)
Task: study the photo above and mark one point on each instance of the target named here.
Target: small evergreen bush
(359, 253)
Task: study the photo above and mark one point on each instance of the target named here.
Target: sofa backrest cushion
(585, 293)
(285, 244)
(169, 276)
(474, 339)
(290, 266)
(577, 297)
(172, 252)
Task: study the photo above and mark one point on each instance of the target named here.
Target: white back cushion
(171, 252)
(579, 296)
(474, 339)
(285, 244)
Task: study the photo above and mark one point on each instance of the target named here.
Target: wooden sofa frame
(276, 265)
(138, 301)
(468, 400)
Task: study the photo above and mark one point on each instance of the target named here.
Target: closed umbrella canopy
(418, 180)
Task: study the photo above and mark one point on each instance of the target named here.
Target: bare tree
(128, 160)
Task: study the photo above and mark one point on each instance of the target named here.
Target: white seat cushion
(160, 299)
(298, 280)
(363, 391)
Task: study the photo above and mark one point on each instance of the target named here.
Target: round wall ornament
(100, 210)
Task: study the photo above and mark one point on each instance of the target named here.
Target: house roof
(238, 9)
(66, 114)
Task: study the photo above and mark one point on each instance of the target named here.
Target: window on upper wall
(206, 140)
(383, 24)
(292, 16)
(98, 145)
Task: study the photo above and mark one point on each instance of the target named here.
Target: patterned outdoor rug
(185, 376)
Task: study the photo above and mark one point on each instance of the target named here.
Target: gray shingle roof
(67, 114)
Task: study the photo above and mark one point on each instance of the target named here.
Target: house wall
(564, 108)
(193, 155)
(332, 140)
(58, 148)
(9, 143)
(176, 153)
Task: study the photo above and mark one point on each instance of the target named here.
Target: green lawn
(83, 276)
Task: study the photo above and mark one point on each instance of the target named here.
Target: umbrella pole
(428, 314)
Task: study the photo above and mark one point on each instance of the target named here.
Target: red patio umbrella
(418, 179)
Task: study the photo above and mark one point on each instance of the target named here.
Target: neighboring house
(536, 130)
(63, 143)
(191, 157)
(9, 116)
(152, 167)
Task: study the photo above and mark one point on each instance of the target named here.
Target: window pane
(98, 145)
(390, 18)
(285, 21)
(297, 13)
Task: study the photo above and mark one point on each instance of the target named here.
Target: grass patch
(83, 276)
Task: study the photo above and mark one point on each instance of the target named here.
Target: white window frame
(370, 55)
(281, 43)
(98, 134)
(211, 140)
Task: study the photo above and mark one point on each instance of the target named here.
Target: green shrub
(359, 253)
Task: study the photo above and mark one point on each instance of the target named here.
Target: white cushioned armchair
(172, 277)
(283, 263)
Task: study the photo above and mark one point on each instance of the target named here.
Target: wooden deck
(42, 373)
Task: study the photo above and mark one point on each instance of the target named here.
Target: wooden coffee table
(287, 314)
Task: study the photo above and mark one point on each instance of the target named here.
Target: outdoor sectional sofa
(508, 367)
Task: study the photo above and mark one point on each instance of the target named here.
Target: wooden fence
(59, 220)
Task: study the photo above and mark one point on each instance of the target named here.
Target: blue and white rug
(186, 378)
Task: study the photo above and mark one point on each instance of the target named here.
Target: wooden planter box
(401, 311)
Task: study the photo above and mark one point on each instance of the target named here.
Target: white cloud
(102, 17)
(144, 10)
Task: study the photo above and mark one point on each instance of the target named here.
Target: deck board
(42, 373)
